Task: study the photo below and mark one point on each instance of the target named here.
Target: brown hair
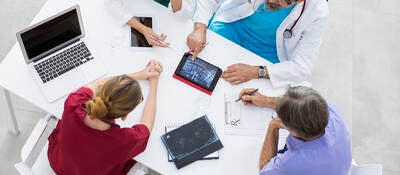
(116, 98)
(303, 111)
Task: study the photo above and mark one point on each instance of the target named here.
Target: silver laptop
(57, 56)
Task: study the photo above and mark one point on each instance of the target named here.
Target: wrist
(272, 102)
(135, 75)
(144, 29)
(254, 72)
(266, 72)
(153, 82)
(200, 27)
(269, 102)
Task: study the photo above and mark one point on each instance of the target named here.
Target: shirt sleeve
(117, 9)
(187, 10)
(204, 10)
(273, 166)
(76, 100)
(138, 136)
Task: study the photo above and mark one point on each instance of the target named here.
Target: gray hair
(304, 111)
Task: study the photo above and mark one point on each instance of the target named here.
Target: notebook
(192, 141)
(172, 126)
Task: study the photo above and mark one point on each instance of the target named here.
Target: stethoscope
(288, 33)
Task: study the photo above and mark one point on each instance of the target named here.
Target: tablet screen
(199, 72)
(137, 38)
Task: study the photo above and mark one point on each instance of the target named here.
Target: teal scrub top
(256, 33)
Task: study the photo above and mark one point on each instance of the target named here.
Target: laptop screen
(51, 34)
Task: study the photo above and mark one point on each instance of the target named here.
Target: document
(245, 120)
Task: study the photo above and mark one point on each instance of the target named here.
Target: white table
(177, 102)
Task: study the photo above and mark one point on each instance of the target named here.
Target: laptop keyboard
(63, 62)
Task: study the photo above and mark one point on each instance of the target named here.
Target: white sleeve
(204, 10)
(300, 66)
(187, 9)
(118, 9)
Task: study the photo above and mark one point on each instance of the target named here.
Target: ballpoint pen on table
(158, 41)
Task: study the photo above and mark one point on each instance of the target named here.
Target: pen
(249, 93)
(157, 40)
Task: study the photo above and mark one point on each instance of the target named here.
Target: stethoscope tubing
(288, 33)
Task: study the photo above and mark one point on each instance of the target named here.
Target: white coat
(297, 54)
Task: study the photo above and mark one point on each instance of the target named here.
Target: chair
(34, 152)
(367, 169)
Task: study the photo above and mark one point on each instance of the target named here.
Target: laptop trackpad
(64, 84)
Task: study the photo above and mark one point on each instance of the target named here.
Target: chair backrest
(367, 169)
(34, 152)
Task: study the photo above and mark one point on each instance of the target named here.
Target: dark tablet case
(180, 142)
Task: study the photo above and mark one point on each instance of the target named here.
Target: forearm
(200, 26)
(269, 102)
(176, 5)
(149, 111)
(133, 22)
(270, 146)
(137, 75)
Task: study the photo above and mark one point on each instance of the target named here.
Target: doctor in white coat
(298, 37)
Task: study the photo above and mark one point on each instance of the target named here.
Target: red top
(75, 148)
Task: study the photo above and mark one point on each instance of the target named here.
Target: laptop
(57, 55)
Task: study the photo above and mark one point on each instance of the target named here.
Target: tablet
(198, 73)
(137, 38)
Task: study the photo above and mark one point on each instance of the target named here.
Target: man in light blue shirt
(318, 143)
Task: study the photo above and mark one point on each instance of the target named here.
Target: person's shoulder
(81, 92)
(79, 97)
(336, 123)
(333, 109)
(283, 164)
(319, 7)
(138, 131)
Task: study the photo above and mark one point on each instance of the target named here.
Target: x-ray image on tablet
(137, 38)
(198, 73)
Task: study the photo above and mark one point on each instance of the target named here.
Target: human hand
(196, 40)
(151, 36)
(256, 99)
(155, 68)
(152, 70)
(239, 73)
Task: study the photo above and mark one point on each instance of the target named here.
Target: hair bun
(97, 107)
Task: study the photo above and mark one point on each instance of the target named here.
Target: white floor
(356, 70)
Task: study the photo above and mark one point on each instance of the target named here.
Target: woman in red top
(87, 141)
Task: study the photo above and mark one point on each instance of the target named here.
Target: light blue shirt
(256, 33)
(328, 155)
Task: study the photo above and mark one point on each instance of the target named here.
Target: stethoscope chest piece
(287, 33)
